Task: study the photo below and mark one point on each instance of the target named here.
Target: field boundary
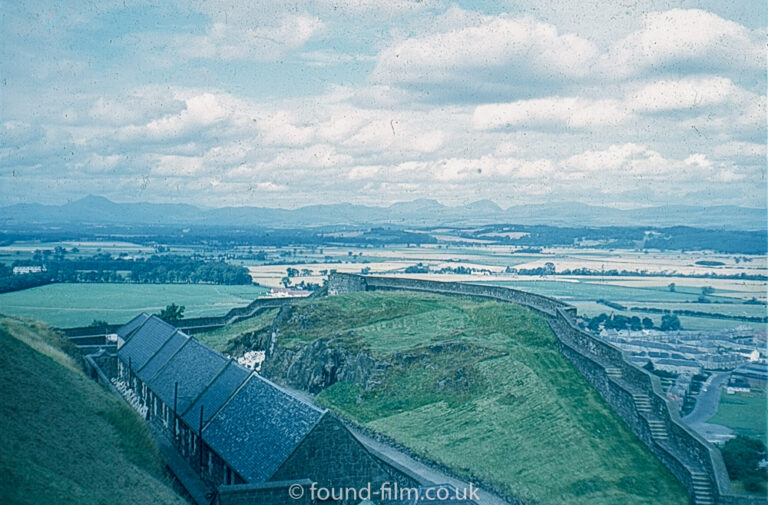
(634, 393)
(193, 324)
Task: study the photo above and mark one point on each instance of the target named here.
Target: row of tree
(103, 267)
(669, 322)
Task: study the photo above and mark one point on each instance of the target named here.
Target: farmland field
(583, 295)
(488, 394)
(744, 413)
(67, 305)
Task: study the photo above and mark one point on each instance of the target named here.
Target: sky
(295, 102)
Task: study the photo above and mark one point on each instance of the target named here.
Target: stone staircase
(658, 429)
(702, 489)
(613, 372)
(642, 403)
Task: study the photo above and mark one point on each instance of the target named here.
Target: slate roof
(678, 362)
(259, 427)
(145, 341)
(131, 325)
(193, 366)
(216, 394)
(161, 357)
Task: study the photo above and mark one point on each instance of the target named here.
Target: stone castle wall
(193, 324)
(634, 393)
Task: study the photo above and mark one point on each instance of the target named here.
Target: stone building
(237, 429)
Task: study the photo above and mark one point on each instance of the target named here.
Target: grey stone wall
(268, 493)
(344, 283)
(333, 458)
(634, 393)
(192, 324)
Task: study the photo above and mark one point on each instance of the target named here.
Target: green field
(583, 296)
(68, 305)
(591, 309)
(481, 388)
(744, 413)
(65, 439)
(590, 291)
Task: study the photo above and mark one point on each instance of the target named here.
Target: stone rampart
(192, 324)
(634, 393)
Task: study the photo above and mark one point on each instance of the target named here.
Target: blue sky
(286, 104)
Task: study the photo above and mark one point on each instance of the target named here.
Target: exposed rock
(320, 364)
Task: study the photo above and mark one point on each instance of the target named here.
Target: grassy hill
(480, 387)
(64, 438)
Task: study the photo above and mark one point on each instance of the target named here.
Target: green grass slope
(488, 395)
(64, 439)
(221, 338)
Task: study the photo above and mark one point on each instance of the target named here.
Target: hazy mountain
(423, 212)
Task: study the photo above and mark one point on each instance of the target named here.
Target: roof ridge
(167, 341)
(206, 388)
(227, 401)
(128, 337)
(301, 442)
(290, 393)
(159, 370)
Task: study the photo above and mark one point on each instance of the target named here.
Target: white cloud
(688, 93)
(228, 42)
(501, 51)
(559, 112)
(691, 40)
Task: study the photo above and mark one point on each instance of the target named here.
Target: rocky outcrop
(317, 365)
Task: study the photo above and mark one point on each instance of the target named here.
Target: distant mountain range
(97, 210)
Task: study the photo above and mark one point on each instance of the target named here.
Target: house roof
(131, 325)
(215, 394)
(145, 341)
(678, 362)
(259, 427)
(193, 366)
(161, 357)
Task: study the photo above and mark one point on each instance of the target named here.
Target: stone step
(642, 403)
(658, 429)
(613, 372)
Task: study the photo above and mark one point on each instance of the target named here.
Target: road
(707, 402)
(706, 407)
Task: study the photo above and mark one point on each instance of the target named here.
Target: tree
(172, 313)
(647, 323)
(671, 286)
(285, 281)
(742, 456)
(707, 290)
(670, 322)
(98, 323)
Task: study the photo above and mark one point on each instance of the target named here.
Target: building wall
(268, 493)
(333, 458)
